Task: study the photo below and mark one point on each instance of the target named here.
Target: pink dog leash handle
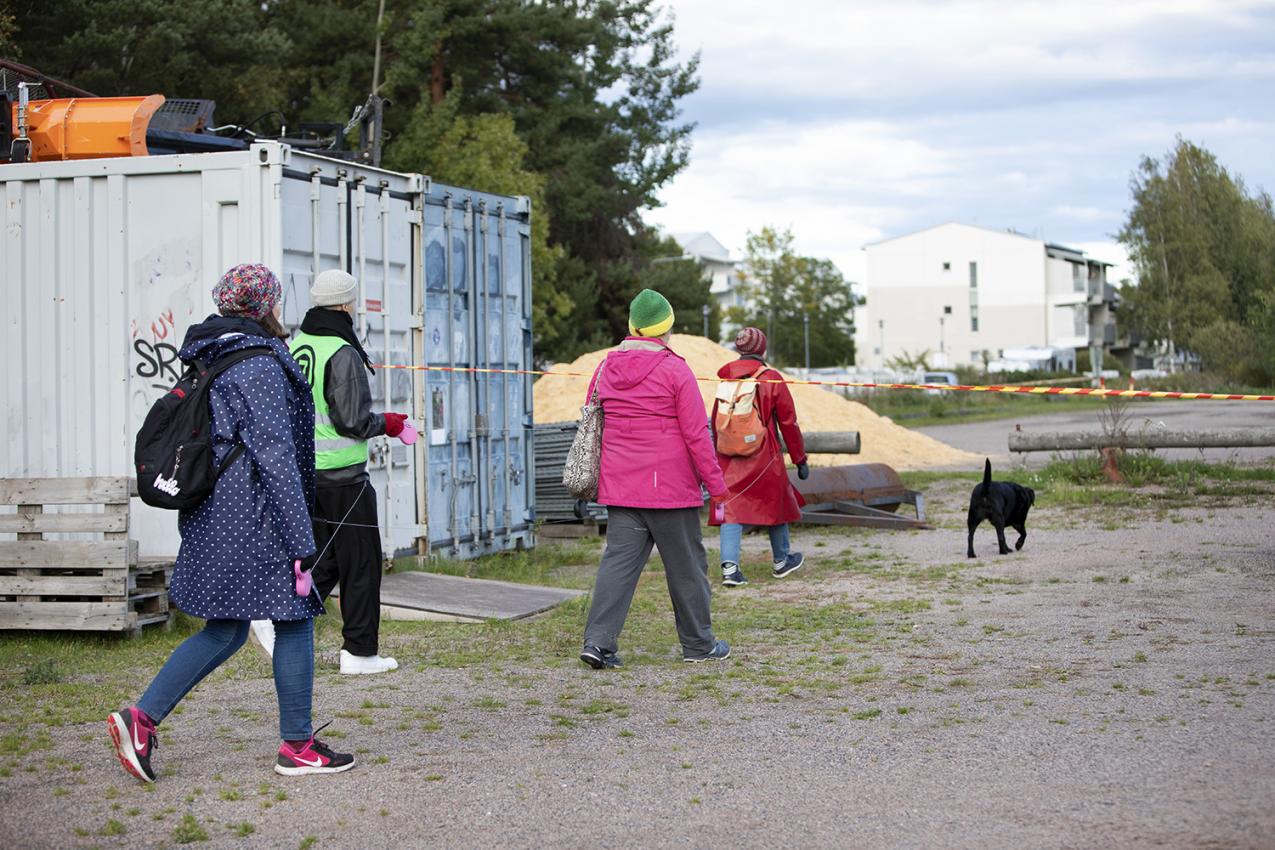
(408, 434)
(305, 583)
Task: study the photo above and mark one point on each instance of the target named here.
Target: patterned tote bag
(584, 460)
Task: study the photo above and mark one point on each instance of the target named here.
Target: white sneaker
(358, 665)
(264, 630)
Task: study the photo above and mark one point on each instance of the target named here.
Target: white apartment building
(721, 270)
(966, 293)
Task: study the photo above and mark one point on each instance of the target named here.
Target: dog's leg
(1022, 536)
(969, 551)
(1000, 538)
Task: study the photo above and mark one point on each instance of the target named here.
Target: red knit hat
(750, 341)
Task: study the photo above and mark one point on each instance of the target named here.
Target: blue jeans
(205, 651)
(733, 532)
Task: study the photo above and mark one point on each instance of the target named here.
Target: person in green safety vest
(346, 529)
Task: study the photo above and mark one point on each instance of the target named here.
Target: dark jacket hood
(209, 339)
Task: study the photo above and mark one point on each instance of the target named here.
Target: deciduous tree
(1203, 247)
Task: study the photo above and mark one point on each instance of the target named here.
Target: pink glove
(394, 423)
(718, 511)
(408, 434)
(304, 581)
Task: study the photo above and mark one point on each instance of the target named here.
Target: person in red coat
(758, 490)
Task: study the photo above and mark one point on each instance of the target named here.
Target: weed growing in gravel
(189, 831)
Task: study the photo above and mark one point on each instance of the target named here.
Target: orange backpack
(740, 431)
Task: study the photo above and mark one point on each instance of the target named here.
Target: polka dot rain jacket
(238, 546)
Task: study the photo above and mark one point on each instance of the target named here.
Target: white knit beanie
(333, 288)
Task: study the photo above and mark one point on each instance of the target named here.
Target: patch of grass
(307, 842)
(243, 830)
(189, 831)
(112, 827)
(867, 714)
(42, 672)
(488, 703)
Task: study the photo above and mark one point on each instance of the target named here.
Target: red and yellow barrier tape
(990, 388)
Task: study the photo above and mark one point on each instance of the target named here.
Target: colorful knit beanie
(650, 314)
(249, 290)
(751, 341)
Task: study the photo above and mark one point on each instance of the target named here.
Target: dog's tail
(987, 475)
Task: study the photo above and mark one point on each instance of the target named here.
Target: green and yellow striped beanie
(650, 314)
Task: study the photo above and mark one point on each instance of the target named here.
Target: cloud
(851, 122)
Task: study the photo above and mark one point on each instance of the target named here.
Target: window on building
(1082, 320)
(947, 267)
(973, 275)
(1077, 278)
(976, 356)
(973, 318)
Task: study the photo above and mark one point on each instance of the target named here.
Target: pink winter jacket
(656, 446)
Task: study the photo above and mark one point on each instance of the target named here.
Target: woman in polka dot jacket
(240, 547)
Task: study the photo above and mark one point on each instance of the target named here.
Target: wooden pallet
(97, 584)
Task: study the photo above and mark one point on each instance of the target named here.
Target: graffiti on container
(161, 328)
(158, 362)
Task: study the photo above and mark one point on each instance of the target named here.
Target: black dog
(1003, 503)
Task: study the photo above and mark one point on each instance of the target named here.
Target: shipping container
(107, 262)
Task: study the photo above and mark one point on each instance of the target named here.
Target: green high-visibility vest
(331, 450)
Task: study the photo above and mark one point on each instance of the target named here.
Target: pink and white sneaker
(134, 738)
(314, 757)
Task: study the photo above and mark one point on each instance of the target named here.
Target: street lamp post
(805, 327)
(705, 312)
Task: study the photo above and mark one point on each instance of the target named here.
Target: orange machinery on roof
(84, 127)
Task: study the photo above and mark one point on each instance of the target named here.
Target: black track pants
(353, 560)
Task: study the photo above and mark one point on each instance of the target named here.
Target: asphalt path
(992, 438)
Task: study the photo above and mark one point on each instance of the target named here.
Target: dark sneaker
(314, 757)
(732, 575)
(135, 741)
(789, 565)
(720, 651)
(599, 658)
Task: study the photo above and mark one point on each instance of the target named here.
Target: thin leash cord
(341, 523)
(756, 478)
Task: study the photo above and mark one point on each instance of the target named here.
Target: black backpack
(173, 454)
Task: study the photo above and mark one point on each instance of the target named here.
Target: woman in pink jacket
(656, 450)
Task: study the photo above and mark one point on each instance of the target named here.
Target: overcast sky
(859, 120)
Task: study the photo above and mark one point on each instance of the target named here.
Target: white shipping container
(107, 262)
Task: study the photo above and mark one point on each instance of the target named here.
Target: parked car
(945, 378)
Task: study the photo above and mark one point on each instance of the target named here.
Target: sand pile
(558, 399)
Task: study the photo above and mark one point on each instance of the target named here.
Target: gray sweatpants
(631, 532)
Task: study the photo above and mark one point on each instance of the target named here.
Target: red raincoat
(759, 492)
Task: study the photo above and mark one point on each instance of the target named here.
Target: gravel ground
(1112, 685)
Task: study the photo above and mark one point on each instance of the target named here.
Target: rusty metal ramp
(430, 596)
